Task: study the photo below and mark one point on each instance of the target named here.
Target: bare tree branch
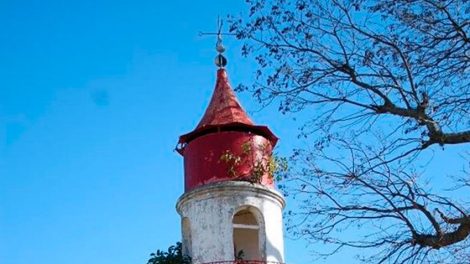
(384, 83)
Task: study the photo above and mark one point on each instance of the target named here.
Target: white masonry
(231, 220)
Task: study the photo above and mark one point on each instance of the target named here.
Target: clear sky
(93, 97)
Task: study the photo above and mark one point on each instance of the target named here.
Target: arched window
(246, 238)
(186, 228)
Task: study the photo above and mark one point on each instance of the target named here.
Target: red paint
(224, 107)
(203, 164)
(225, 126)
(225, 111)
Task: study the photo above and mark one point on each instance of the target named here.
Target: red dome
(224, 107)
(226, 113)
(225, 128)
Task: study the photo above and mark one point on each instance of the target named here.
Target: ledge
(227, 188)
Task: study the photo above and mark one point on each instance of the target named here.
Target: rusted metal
(204, 161)
(225, 111)
(225, 128)
(224, 107)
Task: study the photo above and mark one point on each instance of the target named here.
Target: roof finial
(219, 47)
(220, 59)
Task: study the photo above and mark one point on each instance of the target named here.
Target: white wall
(210, 210)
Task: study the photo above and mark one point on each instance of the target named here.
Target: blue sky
(93, 97)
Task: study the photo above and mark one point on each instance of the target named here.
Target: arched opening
(246, 238)
(186, 228)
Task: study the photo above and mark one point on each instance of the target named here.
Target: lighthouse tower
(230, 211)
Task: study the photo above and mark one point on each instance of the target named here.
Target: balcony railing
(244, 262)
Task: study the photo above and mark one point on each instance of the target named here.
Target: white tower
(230, 211)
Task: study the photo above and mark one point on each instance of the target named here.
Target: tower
(230, 210)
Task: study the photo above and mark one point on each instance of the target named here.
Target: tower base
(232, 220)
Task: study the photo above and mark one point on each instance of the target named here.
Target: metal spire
(220, 59)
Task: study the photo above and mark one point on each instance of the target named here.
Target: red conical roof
(226, 113)
(224, 107)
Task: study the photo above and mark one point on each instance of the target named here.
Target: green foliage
(174, 255)
(278, 166)
(267, 164)
(232, 161)
(246, 147)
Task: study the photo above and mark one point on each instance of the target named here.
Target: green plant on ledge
(265, 165)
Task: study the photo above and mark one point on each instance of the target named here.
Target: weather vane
(220, 60)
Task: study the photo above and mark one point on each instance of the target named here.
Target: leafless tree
(384, 84)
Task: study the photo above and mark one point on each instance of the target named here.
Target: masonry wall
(208, 212)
